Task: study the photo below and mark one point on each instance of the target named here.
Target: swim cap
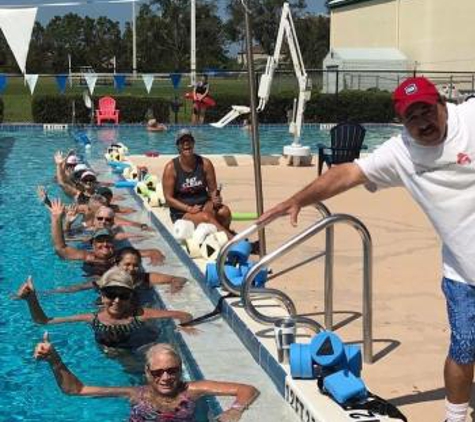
(116, 277)
(104, 191)
(72, 160)
(102, 233)
(88, 173)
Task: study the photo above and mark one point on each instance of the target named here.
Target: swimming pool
(229, 140)
(29, 392)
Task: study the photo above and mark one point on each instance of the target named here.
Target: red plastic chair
(107, 111)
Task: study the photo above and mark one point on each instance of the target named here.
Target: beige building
(432, 34)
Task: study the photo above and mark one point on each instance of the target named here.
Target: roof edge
(334, 4)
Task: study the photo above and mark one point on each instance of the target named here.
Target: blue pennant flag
(61, 80)
(119, 81)
(3, 83)
(176, 78)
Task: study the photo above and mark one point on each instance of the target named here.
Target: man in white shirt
(434, 160)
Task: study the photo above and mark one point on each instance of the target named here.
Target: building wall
(437, 34)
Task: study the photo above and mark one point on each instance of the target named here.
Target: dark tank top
(190, 187)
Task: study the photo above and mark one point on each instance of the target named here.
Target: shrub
(357, 106)
(59, 109)
(1, 110)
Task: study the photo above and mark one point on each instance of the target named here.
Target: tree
(314, 38)
(265, 17)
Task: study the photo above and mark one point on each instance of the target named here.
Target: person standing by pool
(200, 104)
(190, 187)
(434, 159)
(165, 397)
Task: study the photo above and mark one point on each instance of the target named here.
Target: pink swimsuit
(143, 411)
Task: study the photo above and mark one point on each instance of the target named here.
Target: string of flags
(120, 81)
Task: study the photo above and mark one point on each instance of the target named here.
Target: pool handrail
(296, 240)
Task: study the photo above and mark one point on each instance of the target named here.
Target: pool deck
(409, 320)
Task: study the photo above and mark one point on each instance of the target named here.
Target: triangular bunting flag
(119, 81)
(17, 26)
(91, 79)
(61, 80)
(31, 81)
(3, 83)
(148, 81)
(176, 78)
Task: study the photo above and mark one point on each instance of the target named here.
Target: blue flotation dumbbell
(344, 386)
(354, 359)
(239, 252)
(212, 277)
(301, 363)
(125, 184)
(119, 164)
(261, 277)
(327, 349)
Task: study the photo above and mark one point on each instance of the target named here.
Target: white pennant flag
(91, 79)
(31, 81)
(148, 81)
(17, 26)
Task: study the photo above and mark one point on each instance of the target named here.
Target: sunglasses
(158, 373)
(89, 181)
(106, 219)
(111, 293)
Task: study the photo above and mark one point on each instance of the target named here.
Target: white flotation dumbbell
(131, 173)
(210, 247)
(222, 238)
(183, 229)
(192, 248)
(203, 230)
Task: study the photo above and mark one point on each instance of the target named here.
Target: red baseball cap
(414, 90)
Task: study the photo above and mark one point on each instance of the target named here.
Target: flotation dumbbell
(131, 173)
(210, 247)
(212, 277)
(301, 363)
(344, 386)
(239, 252)
(261, 277)
(120, 165)
(354, 359)
(327, 349)
(125, 184)
(183, 229)
(203, 230)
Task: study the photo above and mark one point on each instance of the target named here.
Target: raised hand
(26, 289)
(44, 350)
(71, 212)
(57, 208)
(59, 157)
(41, 192)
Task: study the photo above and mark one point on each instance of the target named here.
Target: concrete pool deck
(409, 319)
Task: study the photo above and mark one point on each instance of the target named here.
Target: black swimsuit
(190, 188)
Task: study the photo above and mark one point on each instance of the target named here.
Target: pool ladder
(327, 223)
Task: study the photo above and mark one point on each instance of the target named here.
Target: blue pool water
(229, 140)
(28, 389)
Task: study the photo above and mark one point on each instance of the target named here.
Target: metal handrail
(296, 241)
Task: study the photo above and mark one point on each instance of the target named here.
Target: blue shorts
(460, 299)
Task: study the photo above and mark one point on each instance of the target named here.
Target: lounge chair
(107, 111)
(346, 144)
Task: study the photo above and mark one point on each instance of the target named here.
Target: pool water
(28, 389)
(229, 140)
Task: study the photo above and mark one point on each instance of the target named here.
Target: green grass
(17, 97)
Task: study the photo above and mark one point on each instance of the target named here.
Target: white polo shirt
(442, 181)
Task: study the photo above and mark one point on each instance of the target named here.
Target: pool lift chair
(295, 151)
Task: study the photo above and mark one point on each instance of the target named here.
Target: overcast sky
(120, 12)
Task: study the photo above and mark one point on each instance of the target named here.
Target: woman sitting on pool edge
(165, 396)
(121, 322)
(190, 188)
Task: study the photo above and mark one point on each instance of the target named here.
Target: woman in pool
(120, 323)
(190, 187)
(165, 397)
(103, 254)
(154, 126)
(130, 260)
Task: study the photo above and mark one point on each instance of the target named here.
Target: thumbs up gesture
(44, 350)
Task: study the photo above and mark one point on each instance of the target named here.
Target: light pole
(193, 44)
(134, 40)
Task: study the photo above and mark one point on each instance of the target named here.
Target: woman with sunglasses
(120, 323)
(103, 254)
(165, 397)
